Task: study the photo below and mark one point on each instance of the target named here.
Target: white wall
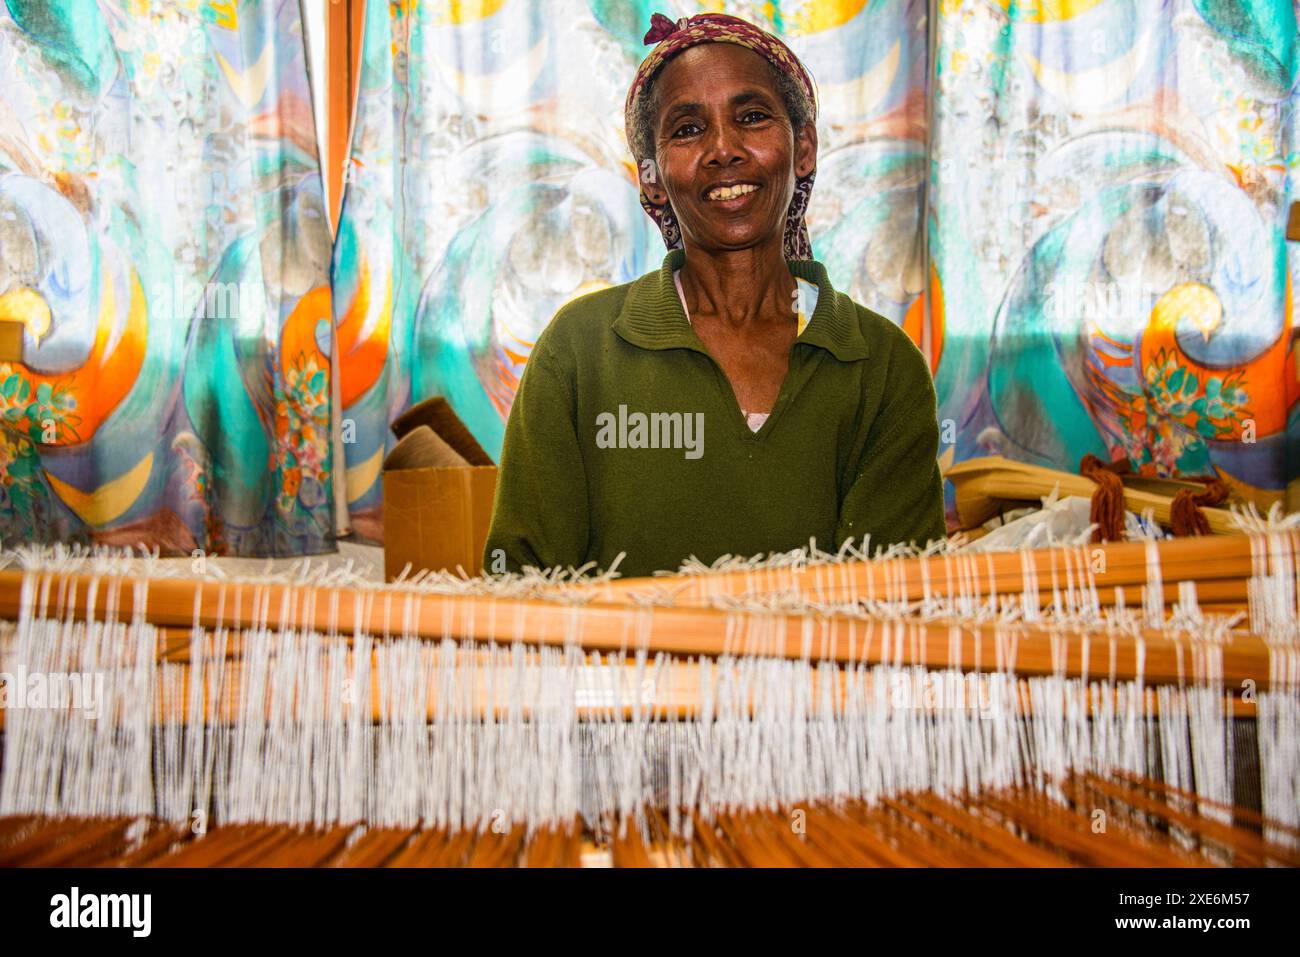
(313, 25)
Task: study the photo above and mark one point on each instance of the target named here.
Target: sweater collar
(652, 315)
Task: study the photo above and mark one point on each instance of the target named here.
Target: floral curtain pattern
(490, 183)
(163, 240)
(1111, 184)
(1075, 207)
(1103, 187)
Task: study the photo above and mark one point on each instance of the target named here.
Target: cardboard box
(438, 493)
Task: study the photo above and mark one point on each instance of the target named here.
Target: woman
(733, 402)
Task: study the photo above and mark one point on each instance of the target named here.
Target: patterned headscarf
(672, 38)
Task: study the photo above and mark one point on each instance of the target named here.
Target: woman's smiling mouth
(721, 194)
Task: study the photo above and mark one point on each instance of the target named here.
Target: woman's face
(727, 156)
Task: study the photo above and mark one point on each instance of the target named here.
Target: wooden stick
(1208, 559)
(681, 632)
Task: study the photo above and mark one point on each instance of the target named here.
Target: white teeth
(731, 192)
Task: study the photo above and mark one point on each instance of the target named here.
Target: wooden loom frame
(686, 630)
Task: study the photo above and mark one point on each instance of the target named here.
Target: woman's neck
(738, 287)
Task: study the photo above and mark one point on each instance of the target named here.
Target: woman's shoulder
(584, 318)
(886, 338)
(855, 332)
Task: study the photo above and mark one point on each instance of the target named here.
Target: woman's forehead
(707, 69)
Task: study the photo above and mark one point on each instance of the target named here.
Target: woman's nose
(722, 144)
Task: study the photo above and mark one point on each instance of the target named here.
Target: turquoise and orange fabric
(490, 183)
(1107, 235)
(164, 241)
(1085, 237)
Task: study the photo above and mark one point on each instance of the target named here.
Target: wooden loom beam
(681, 632)
(1217, 559)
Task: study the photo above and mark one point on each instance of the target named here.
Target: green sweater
(595, 462)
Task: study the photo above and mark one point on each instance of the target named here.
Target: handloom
(1113, 705)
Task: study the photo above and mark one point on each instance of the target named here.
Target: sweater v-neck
(652, 317)
(808, 293)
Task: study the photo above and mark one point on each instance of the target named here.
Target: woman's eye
(685, 130)
(754, 116)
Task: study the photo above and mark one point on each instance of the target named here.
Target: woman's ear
(654, 193)
(650, 185)
(805, 150)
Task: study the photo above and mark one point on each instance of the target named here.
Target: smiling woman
(820, 413)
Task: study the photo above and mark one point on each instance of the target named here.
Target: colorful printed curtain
(490, 183)
(1107, 186)
(1107, 230)
(164, 241)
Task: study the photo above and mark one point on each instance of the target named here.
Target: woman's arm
(540, 513)
(897, 493)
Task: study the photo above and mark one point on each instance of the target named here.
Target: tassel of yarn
(1186, 517)
(1107, 511)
